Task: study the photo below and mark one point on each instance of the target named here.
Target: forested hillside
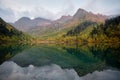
(83, 26)
(93, 32)
(10, 34)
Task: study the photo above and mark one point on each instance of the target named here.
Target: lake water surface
(83, 62)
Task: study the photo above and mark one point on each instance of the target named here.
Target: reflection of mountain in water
(84, 58)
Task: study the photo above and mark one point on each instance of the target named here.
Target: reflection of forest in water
(7, 51)
(84, 58)
(96, 56)
(110, 53)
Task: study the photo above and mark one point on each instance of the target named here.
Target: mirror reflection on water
(84, 58)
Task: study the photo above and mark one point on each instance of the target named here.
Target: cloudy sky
(11, 10)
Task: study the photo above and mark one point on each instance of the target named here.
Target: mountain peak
(24, 19)
(81, 10)
(82, 14)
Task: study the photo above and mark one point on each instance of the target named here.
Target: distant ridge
(25, 23)
(40, 26)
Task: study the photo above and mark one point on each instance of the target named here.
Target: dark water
(84, 58)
